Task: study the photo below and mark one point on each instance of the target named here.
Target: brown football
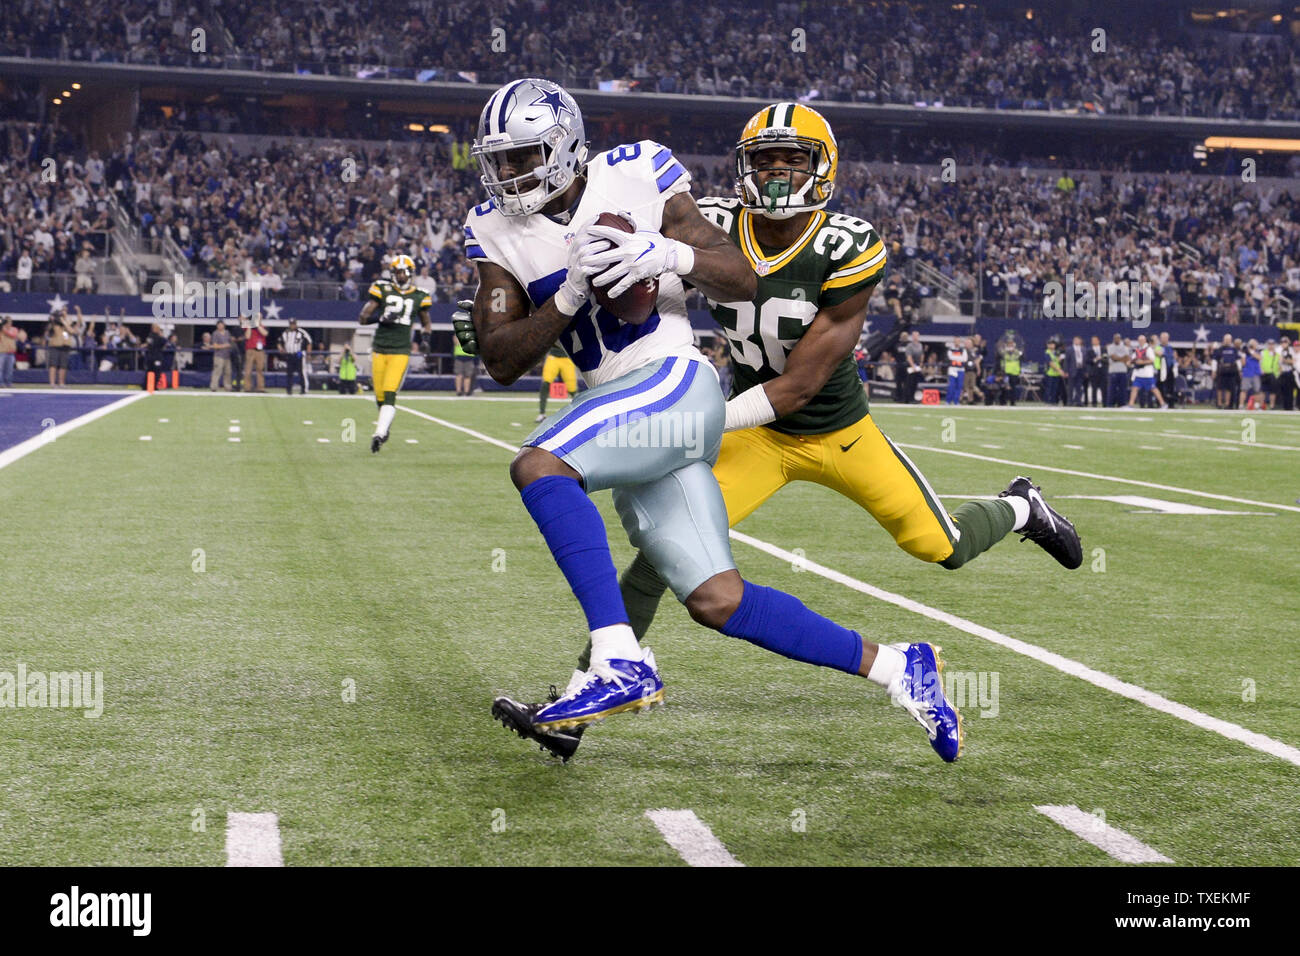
(636, 304)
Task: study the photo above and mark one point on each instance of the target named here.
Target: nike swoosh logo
(1035, 496)
(851, 444)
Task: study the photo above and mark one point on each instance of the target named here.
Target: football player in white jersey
(650, 425)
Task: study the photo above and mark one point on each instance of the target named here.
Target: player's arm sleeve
(477, 245)
(643, 177)
(670, 175)
(859, 267)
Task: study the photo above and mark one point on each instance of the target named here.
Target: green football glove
(464, 326)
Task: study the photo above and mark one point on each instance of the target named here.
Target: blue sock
(575, 533)
(780, 622)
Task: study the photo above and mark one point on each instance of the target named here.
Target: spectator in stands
(1117, 357)
(255, 354)
(85, 269)
(221, 377)
(8, 347)
(24, 271)
(425, 282)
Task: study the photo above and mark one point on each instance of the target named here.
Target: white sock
(386, 415)
(617, 642)
(889, 663)
(1021, 507)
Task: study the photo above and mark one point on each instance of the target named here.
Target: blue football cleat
(919, 691)
(611, 687)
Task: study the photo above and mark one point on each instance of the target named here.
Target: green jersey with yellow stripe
(398, 311)
(834, 259)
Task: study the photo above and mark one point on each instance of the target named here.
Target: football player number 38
(397, 309)
(756, 334)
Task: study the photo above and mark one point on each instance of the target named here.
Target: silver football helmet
(530, 114)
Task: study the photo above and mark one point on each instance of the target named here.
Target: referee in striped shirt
(295, 344)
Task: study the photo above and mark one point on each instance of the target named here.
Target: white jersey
(638, 178)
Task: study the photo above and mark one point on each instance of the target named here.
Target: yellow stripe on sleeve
(860, 274)
(863, 258)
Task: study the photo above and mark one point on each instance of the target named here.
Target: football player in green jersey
(798, 411)
(393, 304)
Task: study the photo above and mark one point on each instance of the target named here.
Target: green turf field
(235, 595)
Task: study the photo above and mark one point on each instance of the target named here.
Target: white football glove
(637, 256)
(573, 292)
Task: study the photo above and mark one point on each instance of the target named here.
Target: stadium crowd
(880, 52)
(331, 213)
(54, 217)
(1201, 243)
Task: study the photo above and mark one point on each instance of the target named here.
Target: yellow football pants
(858, 461)
(556, 367)
(387, 372)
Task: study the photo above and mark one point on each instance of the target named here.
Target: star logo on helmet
(555, 100)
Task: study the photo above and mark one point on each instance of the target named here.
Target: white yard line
(1088, 474)
(1256, 741)
(1166, 433)
(253, 839)
(23, 448)
(1274, 748)
(1114, 842)
(687, 834)
(469, 431)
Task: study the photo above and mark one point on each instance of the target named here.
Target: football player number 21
(398, 309)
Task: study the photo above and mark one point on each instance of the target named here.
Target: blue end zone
(21, 413)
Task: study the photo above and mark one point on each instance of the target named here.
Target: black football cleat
(1047, 528)
(376, 442)
(519, 718)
